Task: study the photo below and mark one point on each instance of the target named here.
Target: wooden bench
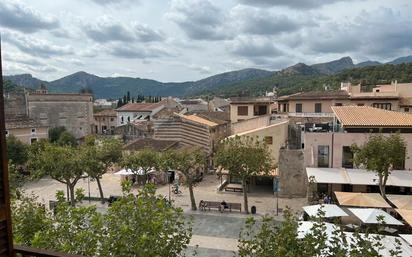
(217, 206)
(234, 188)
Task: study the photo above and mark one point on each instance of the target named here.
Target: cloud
(199, 19)
(108, 2)
(36, 47)
(202, 69)
(135, 52)
(107, 29)
(16, 15)
(254, 47)
(295, 4)
(260, 21)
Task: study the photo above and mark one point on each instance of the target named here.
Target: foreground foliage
(133, 226)
(270, 238)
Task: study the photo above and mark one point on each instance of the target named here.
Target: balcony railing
(312, 114)
(26, 251)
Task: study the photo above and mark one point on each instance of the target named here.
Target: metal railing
(312, 114)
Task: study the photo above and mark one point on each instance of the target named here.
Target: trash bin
(253, 209)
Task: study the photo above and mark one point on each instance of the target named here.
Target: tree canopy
(381, 154)
(17, 151)
(244, 157)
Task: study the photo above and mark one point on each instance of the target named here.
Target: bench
(234, 188)
(216, 205)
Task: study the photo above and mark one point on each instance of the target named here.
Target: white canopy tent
(388, 242)
(370, 216)
(139, 172)
(330, 210)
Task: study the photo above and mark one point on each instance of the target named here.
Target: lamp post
(88, 185)
(276, 190)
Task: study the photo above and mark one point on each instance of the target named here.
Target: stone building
(244, 108)
(26, 130)
(72, 111)
(105, 122)
(135, 130)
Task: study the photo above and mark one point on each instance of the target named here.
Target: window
(347, 157)
(318, 107)
(128, 118)
(268, 140)
(260, 110)
(7, 133)
(243, 110)
(323, 156)
(298, 108)
(385, 106)
(122, 119)
(33, 139)
(406, 109)
(111, 119)
(96, 128)
(338, 104)
(104, 128)
(360, 104)
(104, 119)
(33, 130)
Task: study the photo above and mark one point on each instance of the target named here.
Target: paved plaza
(214, 233)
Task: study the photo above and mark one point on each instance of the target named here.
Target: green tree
(381, 154)
(189, 163)
(244, 157)
(28, 218)
(54, 133)
(67, 139)
(75, 230)
(61, 163)
(144, 160)
(99, 156)
(145, 226)
(17, 151)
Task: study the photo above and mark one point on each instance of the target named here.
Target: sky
(183, 40)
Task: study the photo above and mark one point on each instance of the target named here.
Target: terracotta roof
(366, 116)
(108, 112)
(217, 117)
(340, 94)
(22, 122)
(200, 120)
(159, 145)
(138, 107)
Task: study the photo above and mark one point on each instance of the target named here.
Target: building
(218, 104)
(190, 105)
(243, 108)
(192, 130)
(135, 130)
(331, 151)
(25, 129)
(72, 111)
(134, 112)
(104, 104)
(105, 122)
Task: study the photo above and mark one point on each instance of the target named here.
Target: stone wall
(292, 173)
(73, 111)
(15, 105)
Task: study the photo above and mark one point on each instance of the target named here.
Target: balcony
(25, 251)
(312, 114)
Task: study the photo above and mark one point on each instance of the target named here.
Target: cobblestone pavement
(214, 233)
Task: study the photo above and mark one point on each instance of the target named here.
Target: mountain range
(116, 87)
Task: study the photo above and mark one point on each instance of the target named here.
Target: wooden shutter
(6, 239)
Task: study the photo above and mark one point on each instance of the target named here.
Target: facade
(244, 108)
(191, 130)
(133, 112)
(105, 122)
(331, 151)
(26, 130)
(72, 111)
(135, 130)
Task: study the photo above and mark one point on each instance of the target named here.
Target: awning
(272, 173)
(330, 210)
(370, 216)
(406, 215)
(327, 175)
(407, 238)
(124, 172)
(306, 226)
(401, 201)
(401, 178)
(373, 200)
